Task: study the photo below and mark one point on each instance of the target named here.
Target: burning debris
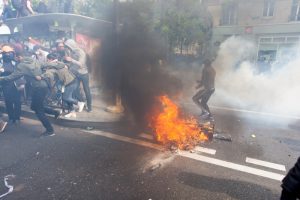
(176, 131)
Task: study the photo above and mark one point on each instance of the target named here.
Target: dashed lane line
(205, 150)
(214, 161)
(234, 166)
(266, 164)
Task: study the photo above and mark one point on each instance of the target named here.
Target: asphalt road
(122, 164)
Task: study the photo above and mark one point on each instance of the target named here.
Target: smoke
(241, 84)
(134, 68)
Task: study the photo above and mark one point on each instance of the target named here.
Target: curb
(103, 125)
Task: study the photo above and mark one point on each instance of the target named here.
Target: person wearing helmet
(12, 96)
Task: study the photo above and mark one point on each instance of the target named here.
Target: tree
(93, 8)
(185, 23)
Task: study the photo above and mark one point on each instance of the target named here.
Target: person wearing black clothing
(30, 69)
(208, 83)
(12, 96)
(291, 183)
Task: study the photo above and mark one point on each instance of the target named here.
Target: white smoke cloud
(239, 85)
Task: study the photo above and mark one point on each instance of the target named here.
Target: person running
(29, 68)
(206, 88)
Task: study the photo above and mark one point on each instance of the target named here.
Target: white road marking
(266, 164)
(127, 139)
(146, 136)
(218, 162)
(206, 150)
(230, 165)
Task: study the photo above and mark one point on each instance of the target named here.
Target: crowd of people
(22, 8)
(50, 78)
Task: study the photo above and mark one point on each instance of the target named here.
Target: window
(279, 39)
(229, 14)
(269, 6)
(295, 12)
(292, 39)
(265, 40)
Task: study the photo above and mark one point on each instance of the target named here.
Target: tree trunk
(181, 46)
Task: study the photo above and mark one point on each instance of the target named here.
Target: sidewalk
(98, 118)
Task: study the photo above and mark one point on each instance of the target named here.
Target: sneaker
(58, 114)
(89, 110)
(70, 115)
(80, 106)
(204, 116)
(48, 134)
(3, 125)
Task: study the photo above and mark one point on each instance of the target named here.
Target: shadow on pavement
(235, 189)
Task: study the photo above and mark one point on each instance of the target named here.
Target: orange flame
(170, 128)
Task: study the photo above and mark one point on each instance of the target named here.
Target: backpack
(17, 4)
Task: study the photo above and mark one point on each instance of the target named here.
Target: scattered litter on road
(254, 136)
(10, 187)
(155, 167)
(37, 153)
(224, 137)
(158, 162)
(89, 128)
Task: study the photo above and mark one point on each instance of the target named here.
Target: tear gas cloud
(240, 85)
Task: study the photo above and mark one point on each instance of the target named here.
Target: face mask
(8, 56)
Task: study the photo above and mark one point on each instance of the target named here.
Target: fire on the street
(170, 128)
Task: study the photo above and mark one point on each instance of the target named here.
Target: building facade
(273, 24)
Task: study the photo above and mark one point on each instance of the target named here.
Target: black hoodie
(291, 183)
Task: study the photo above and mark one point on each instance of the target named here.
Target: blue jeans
(67, 96)
(85, 80)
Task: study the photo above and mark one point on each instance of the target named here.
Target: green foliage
(93, 8)
(185, 23)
